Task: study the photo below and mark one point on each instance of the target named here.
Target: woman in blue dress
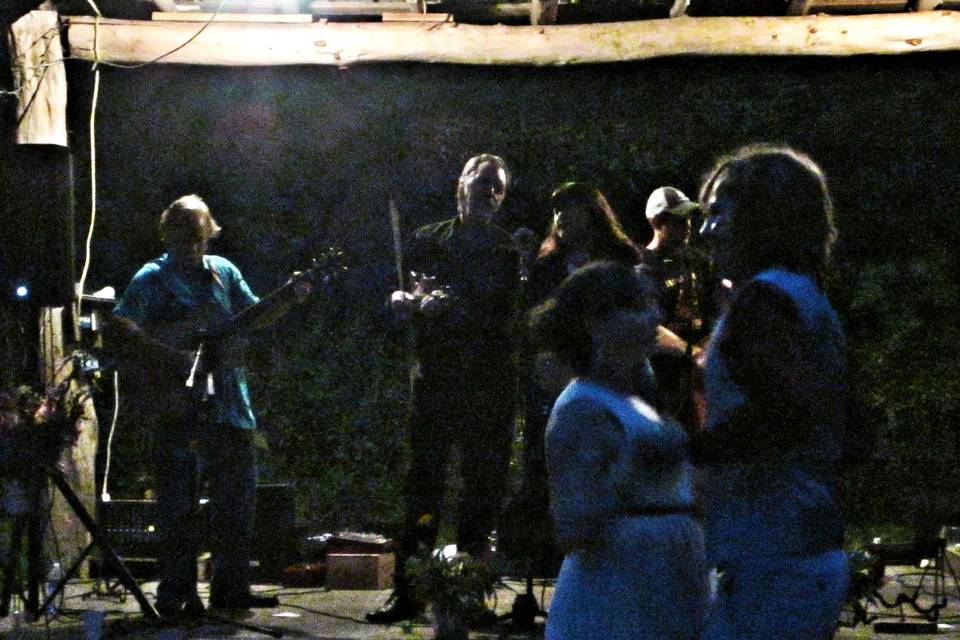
(621, 488)
(774, 386)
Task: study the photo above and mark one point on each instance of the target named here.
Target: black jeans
(476, 413)
(225, 457)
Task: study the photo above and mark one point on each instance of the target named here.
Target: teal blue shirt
(161, 296)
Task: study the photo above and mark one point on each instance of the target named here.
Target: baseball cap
(669, 200)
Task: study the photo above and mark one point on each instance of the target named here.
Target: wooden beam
(806, 7)
(200, 16)
(416, 17)
(343, 44)
(362, 7)
(251, 6)
(36, 59)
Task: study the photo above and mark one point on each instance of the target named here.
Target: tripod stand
(531, 544)
(525, 608)
(31, 524)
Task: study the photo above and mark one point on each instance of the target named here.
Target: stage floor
(304, 613)
(317, 614)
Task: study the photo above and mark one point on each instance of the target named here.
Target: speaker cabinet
(131, 527)
(38, 222)
(275, 540)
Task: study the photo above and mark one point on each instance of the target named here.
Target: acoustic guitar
(216, 341)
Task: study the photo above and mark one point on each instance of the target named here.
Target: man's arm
(272, 307)
(133, 344)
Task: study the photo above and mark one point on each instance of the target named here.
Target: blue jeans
(790, 598)
(225, 457)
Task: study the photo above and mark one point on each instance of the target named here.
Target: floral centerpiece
(456, 587)
(35, 426)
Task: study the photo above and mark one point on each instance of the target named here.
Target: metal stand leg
(99, 540)
(126, 579)
(11, 569)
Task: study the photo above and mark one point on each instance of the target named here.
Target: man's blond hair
(189, 210)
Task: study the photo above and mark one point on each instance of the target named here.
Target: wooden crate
(360, 570)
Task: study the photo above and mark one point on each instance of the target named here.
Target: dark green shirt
(479, 267)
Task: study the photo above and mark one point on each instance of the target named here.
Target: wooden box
(360, 570)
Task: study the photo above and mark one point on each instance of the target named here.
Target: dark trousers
(472, 411)
(225, 457)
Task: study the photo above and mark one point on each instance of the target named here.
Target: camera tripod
(31, 527)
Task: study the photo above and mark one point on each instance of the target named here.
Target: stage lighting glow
(22, 291)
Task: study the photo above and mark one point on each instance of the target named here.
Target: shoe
(178, 610)
(486, 618)
(242, 600)
(193, 608)
(397, 607)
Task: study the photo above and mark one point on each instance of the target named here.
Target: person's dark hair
(783, 213)
(561, 323)
(189, 210)
(610, 242)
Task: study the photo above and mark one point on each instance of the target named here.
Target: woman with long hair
(775, 388)
(584, 228)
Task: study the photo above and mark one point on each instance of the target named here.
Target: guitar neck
(274, 304)
(255, 315)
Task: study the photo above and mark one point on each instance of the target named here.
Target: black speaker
(37, 217)
(131, 527)
(275, 540)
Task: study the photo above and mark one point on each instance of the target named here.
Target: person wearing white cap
(681, 274)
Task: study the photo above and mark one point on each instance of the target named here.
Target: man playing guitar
(208, 427)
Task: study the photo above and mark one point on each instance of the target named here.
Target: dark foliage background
(294, 159)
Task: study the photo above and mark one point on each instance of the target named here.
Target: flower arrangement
(36, 426)
(456, 586)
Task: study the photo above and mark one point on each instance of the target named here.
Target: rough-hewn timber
(39, 78)
(242, 44)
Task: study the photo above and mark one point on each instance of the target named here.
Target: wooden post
(36, 58)
(46, 198)
(78, 464)
(52, 345)
(79, 461)
(937, 5)
(543, 11)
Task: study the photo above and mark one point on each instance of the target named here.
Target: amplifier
(131, 526)
(275, 542)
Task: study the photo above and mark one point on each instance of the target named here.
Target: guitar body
(163, 393)
(160, 395)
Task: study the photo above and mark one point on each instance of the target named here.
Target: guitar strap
(213, 273)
